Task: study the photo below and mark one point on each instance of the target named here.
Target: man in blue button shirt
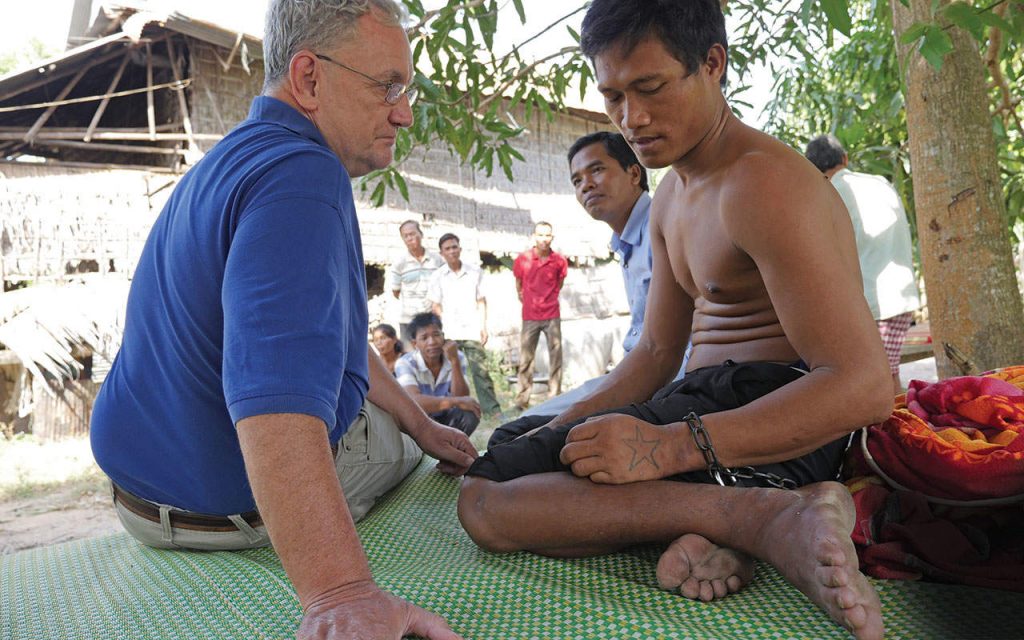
(611, 184)
(245, 362)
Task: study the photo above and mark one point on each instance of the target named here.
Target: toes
(733, 584)
(833, 577)
(854, 617)
(690, 588)
(707, 592)
(719, 588)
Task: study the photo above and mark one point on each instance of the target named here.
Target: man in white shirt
(884, 245)
(409, 276)
(458, 299)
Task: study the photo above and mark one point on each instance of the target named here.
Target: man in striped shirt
(409, 276)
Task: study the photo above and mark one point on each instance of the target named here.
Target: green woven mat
(113, 587)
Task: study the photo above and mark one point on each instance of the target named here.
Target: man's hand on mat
(368, 613)
(450, 446)
(616, 449)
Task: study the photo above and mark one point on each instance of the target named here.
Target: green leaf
(573, 33)
(838, 14)
(403, 188)
(934, 47)
(913, 32)
(520, 10)
(377, 198)
(417, 50)
(964, 16)
(428, 88)
(805, 10)
(996, 21)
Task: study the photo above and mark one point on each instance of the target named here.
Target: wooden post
(99, 146)
(150, 111)
(31, 134)
(182, 103)
(106, 99)
(106, 134)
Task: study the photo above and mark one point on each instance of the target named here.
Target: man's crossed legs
(520, 496)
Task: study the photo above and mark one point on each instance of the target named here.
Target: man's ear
(304, 79)
(715, 61)
(635, 173)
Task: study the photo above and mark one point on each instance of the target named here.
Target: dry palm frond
(42, 325)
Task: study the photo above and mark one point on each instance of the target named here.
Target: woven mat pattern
(112, 587)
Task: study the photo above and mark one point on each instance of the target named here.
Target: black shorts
(704, 391)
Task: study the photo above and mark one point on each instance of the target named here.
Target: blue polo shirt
(249, 298)
(634, 249)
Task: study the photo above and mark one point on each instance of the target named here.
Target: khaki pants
(373, 457)
(528, 338)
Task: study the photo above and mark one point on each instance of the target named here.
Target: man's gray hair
(293, 25)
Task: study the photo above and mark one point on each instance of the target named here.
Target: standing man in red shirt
(539, 275)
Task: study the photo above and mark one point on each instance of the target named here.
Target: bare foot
(702, 570)
(808, 541)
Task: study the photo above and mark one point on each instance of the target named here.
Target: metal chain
(718, 471)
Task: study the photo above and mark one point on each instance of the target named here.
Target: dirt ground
(66, 514)
(51, 493)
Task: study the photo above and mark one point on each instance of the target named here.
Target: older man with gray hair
(244, 408)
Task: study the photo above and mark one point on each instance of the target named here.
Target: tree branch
(430, 15)
(521, 74)
(995, 41)
(545, 30)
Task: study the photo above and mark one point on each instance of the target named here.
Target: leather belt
(186, 519)
(182, 519)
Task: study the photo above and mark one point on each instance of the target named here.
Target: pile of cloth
(939, 486)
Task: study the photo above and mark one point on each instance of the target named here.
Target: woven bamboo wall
(58, 221)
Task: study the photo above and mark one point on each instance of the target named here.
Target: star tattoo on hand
(642, 450)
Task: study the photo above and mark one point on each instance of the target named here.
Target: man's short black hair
(686, 28)
(422, 321)
(616, 146)
(825, 152)
(446, 237)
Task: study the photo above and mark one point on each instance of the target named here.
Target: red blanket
(958, 441)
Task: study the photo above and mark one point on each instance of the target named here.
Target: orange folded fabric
(958, 439)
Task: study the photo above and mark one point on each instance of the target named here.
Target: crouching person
(434, 374)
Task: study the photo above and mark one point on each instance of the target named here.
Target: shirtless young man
(754, 259)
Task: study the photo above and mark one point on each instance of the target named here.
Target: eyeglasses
(394, 90)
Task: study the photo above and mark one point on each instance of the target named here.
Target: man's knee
(481, 509)
(465, 421)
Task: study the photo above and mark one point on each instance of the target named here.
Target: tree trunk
(966, 257)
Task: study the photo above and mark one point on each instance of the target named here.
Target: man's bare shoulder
(764, 166)
(770, 182)
(665, 198)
